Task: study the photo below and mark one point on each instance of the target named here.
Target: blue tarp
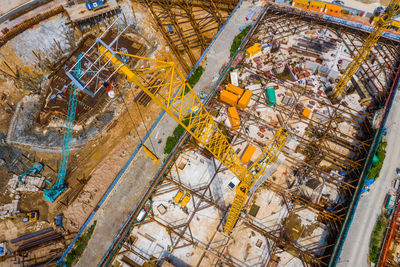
(369, 182)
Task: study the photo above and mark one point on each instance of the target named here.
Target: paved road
(127, 192)
(22, 7)
(356, 247)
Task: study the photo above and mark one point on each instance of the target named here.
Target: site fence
(360, 26)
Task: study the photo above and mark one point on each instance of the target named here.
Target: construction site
(138, 123)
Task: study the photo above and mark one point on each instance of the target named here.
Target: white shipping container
(141, 215)
(234, 78)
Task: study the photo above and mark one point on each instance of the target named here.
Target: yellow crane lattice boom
(264, 162)
(381, 25)
(165, 84)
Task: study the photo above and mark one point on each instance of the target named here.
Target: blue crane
(36, 168)
(59, 187)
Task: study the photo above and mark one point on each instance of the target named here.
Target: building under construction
(296, 212)
(269, 174)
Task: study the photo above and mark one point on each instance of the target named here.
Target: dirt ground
(7, 5)
(100, 160)
(119, 141)
(95, 166)
(105, 157)
(10, 95)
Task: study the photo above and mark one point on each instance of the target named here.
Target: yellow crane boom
(257, 169)
(381, 25)
(165, 84)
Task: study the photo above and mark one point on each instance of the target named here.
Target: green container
(375, 159)
(270, 92)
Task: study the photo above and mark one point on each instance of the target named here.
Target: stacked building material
(245, 99)
(30, 184)
(9, 209)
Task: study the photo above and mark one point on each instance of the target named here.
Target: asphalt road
(20, 8)
(356, 247)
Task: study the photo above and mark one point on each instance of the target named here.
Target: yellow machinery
(26, 217)
(178, 197)
(381, 25)
(176, 97)
(257, 169)
(150, 153)
(185, 200)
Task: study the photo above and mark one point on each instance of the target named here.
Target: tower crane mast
(381, 25)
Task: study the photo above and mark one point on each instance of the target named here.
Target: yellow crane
(165, 84)
(381, 25)
(256, 170)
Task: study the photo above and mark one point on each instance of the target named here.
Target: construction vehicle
(59, 222)
(36, 169)
(3, 249)
(94, 4)
(59, 186)
(26, 217)
(187, 109)
(382, 24)
(31, 217)
(179, 196)
(185, 200)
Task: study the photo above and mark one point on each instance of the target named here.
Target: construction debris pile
(10, 209)
(28, 184)
(15, 187)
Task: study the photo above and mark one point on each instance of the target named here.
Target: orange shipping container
(303, 4)
(248, 153)
(234, 118)
(253, 50)
(234, 89)
(333, 10)
(228, 98)
(306, 113)
(316, 6)
(245, 99)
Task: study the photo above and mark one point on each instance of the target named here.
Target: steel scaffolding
(189, 26)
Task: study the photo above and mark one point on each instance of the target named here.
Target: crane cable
(131, 118)
(141, 116)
